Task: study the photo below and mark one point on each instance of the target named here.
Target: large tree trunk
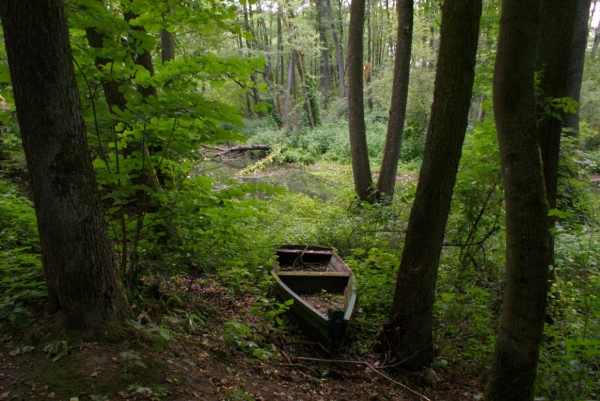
(527, 247)
(356, 109)
(408, 334)
(393, 140)
(576, 62)
(81, 275)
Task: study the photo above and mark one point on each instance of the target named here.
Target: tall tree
(167, 40)
(324, 51)
(356, 109)
(393, 140)
(553, 63)
(82, 279)
(338, 51)
(527, 245)
(408, 333)
(576, 61)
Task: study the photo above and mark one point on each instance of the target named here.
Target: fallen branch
(241, 148)
(368, 365)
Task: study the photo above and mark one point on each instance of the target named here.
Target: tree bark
(167, 45)
(291, 83)
(393, 140)
(356, 109)
(557, 30)
(324, 52)
(302, 73)
(408, 334)
(338, 51)
(596, 40)
(80, 273)
(576, 62)
(527, 248)
(255, 93)
(279, 67)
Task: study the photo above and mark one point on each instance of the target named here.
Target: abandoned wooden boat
(323, 289)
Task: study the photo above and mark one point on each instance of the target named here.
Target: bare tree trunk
(393, 140)
(80, 273)
(255, 93)
(596, 40)
(481, 112)
(338, 52)
(527, 248)
(302, 74)
(576, 61)
(369, 66)
(558, 28)
(167, 42)
(280, 65)
(267, 48)
(356, 109)
(290, 84)
(408, 333)
(324, 53)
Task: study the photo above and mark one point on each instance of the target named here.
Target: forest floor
(201, 365)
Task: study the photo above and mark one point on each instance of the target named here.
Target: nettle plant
(147, 119)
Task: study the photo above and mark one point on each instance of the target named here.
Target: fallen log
(241, 148)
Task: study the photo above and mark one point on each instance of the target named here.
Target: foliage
(57, 349)
(330, 141)
(21, 275)
(243, 337)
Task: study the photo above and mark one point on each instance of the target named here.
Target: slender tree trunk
(356, 109)
(267, 49)
(80, 273)
(302, 74)
(290, 85)
(255, 93)
(167, 42)
(393, 140)
(596, 40)
(167, 45)
(369, 68)
(481, 112)
(280, 65)
(408, 333)
(527, 247)
(576, 62)
(558, 28)
(338, 51)
(324, 52)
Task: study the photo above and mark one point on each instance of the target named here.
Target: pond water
(294, 179)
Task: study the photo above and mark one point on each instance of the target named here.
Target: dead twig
(310, 343)
(368, 365)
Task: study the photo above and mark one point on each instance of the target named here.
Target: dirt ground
(201, 365)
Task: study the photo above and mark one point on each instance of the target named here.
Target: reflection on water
(293, 179)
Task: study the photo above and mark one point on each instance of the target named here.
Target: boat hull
(329, 329)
